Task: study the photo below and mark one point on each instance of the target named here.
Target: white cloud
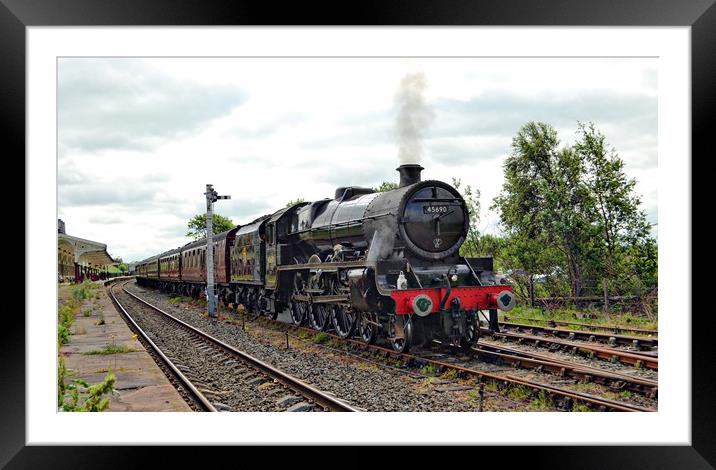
(139, 139)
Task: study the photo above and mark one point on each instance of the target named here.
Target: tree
(573, 210)
(542, 196)
(122, 266)
(621, 234)
(197, 225)
(472, 201)
(386, 186)
(293, 202)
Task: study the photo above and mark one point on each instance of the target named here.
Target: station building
(79, 259)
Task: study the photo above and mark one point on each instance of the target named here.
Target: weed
(81, 292)
(595, 317)
(320, 338)
(66, 317)
(428, 369)
(626, 394)
(426, 383)
(101, 319)
(61, 373)
(541, 402)
(63, 334)
(87, 312)
(490, 387)
(581, 408)
(110, 349)
(519, 392)
(588, 387)
(93, 402)
(449, 374)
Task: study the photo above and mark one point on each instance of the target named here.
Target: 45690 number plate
(435, 209)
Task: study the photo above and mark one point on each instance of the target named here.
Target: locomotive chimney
(409, 174)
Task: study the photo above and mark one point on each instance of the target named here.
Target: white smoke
(383, 239)
(414, 117)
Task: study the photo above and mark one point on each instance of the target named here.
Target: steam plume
(414, 117)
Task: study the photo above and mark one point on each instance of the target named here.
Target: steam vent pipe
(409, 174)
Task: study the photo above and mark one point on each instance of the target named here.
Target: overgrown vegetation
(110, 349)
(595, 317)
(519, 392)
(79, 395)
(541, 402)
(321, 337)
(572, 223)
(581, 408)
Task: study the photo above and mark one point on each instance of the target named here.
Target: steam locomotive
(366, 263)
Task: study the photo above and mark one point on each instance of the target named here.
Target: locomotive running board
(322, 299)
(327, 266)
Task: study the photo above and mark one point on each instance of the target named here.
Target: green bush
(63, 334)
(93, 402)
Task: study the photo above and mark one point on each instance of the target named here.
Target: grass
(78, 394)
(110, 349)
(66, 318)
(522, 313)
(541, 402)
(321, 337)
(83, 291)
(303, 334)
(519, 392)
(179, 299)
(587, 387)
(581, 408)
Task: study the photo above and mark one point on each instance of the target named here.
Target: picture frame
(17, 15)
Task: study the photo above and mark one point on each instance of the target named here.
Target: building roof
(89, 251)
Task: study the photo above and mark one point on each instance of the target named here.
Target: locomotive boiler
(375, 264)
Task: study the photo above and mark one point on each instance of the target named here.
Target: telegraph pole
(211, 197)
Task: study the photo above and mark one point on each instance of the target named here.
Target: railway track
(603, 353)
(216, 375)
(588, 326)
(181, 382)
(564, 396)
(585, 374)
(636, 342)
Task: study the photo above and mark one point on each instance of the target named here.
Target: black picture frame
(16, 15)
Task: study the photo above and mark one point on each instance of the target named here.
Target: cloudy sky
(138, 139)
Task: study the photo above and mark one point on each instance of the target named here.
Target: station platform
(140, 384)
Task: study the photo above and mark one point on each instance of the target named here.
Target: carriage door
(271, 254)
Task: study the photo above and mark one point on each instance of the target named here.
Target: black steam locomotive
(364, 262)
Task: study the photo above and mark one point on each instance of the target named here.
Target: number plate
(435, 209)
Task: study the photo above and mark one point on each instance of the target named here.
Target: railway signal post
(211, 197)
